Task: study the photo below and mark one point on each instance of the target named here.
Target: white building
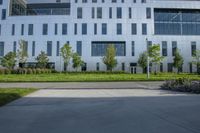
(90, 25)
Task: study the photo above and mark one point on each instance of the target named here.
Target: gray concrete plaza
(102, 111)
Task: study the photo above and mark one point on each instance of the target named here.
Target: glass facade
(99, 48)
(1, 48)
(177, 21)
(49, 48)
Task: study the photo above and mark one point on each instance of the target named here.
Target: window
(143, 1)
(93, 12)
(94, 1)
(122, 1)
(22, 29)
(0, 29)
(3, 14)
(13, 29)
(170, 67)
(14, 46)
(123, 66)
(103, 1)
(177, 21)
(75, 29)
(130, 12)
(45, 29)
(95, 29)
(144, 29)
(114, 1)
(161, 67)
(84, 29)
(1, 2)
(148, 13)
(99, 12)
(49, 48)
(104, 29)
(99, 48)
(76, 1)
(84, 67)
(193, 48)
(79, 13)
(174, 48)
(84, 1)
(97, 66)
(133, 29)
(1, 48)
(56, 29)
(119, 12)
(119, 28)
(164, 48)
(110, 12)
(133, 48)
(79, 48)
(134, 1)
(64, 29)
(58, 48)
(33, 48)
(30, 29)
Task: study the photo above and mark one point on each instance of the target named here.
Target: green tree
(42, 60)
(155, 56)
(196, 60)
(142, 61)
(9, 60)
(66, 53)
(109, 58)
(77, 62)
(178, 61)
(22, 53)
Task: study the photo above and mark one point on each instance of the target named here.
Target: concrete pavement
(102, 111)
(85, 85)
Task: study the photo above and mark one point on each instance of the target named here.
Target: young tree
(9, 60)
(77, 62)
(155, 56)
(178, 61)
(142, 61)
(22, 54)
(109, 59)
(66, 53)
(42, 60)
(196, 60)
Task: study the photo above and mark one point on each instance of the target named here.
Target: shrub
(38, 71)
(29, 71)
(2, 71)
(182, 85)
(7, 71)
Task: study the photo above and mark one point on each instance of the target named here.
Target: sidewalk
(85, 85)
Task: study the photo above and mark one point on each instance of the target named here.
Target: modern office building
(90, 25)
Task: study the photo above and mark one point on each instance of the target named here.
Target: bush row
(96, 72)
(182, 85)
(26, 71)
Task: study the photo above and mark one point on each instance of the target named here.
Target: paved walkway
(85, 85)
(102, 111)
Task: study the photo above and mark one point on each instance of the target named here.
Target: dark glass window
(94, 1)
(79, 12)
(123, 66)
(114, 1)
(22, 29)
(119, 12)
(193, 48)
(45, 29)
(58, 48)
(93, 12)
(33, 48)
(1, 48)
(144, 29)
(143, 1)
(14, 46)
(104, 29)
(174, 48)
(133, 48)
(134, 1)
(3, 14)
(79, 48)
(99, 12)
(13, 29)
(30, 29)
(95, 28)
(0, 29)
(99, 48)
(148, 12)
(164, 48)
(119, 29)
(84, 1)
(56, 29)
(49, 48)
(1, 2)
(110, 12)
(84, 29)
(133, 29)
(75, 29)
(98, 66)
(130, 12)
(170, 67)
(64, 29)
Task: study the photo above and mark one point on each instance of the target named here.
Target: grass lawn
(8, 95)
(92, 77)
